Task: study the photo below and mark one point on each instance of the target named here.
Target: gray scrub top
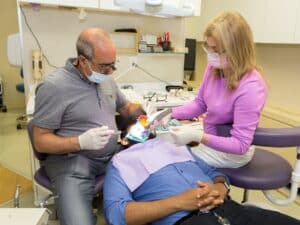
(70, 105)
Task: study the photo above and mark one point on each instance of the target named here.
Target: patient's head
(133, 132)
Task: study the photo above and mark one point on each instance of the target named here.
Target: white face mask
(96, 77)
(214, 59)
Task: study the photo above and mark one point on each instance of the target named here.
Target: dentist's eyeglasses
(105, 68)
(108, 66)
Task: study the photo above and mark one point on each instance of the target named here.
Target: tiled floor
(27, 199)
(8, 183)
(14, 153)
(14, 145)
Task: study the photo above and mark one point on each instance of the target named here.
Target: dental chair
(41, 179)
(267, 170)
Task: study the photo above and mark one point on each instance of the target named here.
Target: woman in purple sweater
(232, 92)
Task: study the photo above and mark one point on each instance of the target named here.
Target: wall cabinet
(80, 3)
(109, 5)
(98, 4)
(211, 8)
(272, 21)
(31, 1)
(73, 3)
(297, 32)
(281, 18)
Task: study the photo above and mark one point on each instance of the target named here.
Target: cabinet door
(109, 5)
(252, 10)
(67, 2)
(249, 9)
(50, 2)
(281, 21)
(88, 3)
(255, 14)
(80, 3)
(297, 29)
(31, 1)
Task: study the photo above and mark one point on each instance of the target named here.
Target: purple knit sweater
(241, 108)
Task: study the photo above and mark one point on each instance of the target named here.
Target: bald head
(93, 40)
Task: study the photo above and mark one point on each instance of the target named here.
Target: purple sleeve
(247, 110)
(197, 106)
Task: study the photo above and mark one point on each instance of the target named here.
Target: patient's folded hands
(214, 197)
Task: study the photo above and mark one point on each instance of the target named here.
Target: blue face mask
(98, 77)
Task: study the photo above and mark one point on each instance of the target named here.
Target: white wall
(10, 74)
(57, 30)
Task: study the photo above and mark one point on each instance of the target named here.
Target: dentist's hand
(186, 134)
(95, 138)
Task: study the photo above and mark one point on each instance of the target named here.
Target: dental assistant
(233, 91)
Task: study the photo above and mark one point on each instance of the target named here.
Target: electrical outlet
(37, 65)
(132, 61)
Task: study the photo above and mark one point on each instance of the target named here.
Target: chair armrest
(272, 137)
(277, 137)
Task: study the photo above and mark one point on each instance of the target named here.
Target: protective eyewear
(208, 49)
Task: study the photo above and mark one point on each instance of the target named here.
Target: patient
(156, 182)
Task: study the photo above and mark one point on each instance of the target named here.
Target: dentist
(74, 124)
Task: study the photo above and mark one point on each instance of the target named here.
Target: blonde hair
(233, 36)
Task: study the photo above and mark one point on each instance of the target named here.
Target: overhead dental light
(162, 8)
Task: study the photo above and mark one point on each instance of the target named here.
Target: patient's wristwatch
(226, 184)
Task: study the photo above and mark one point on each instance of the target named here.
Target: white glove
(186, 134)
(95, 138)
(161, 117)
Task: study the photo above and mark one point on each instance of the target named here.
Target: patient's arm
(138, 213)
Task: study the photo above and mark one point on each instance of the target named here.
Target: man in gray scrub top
(74, 124)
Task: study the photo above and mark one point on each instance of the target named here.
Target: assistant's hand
(185, 134)
(215, 194)
(95, 138)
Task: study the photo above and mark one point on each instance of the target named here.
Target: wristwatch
(226, 184)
